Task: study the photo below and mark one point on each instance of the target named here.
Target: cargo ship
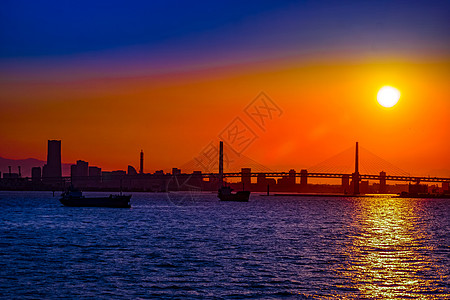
(74, 198)
(226, 194)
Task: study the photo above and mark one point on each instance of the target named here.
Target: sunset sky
(110, 78)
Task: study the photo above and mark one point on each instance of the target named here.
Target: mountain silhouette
(26, 165)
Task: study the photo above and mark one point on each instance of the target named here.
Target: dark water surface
(172, 246)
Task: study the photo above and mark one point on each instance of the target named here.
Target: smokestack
(356, 159)
(221, 164)
(9, 167)
(20, 175)
(141, 164)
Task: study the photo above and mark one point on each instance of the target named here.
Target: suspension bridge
(371, 162)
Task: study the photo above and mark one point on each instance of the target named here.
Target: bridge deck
(256, 174)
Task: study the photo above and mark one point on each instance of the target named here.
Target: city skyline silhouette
(214, 169)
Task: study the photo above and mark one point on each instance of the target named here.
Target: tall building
(303, 178)
(246, 178)
(141, 164)
(79, 173)
(95, 172)
(95, 175)
(446, 187)
(261, 180)
(81, 169)
(291, 177)
(36, 174)
(53, 167)
(345, 183)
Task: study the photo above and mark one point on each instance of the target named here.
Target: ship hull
(111, 201)
(241, 196)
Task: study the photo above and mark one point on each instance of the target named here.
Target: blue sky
(60, 28)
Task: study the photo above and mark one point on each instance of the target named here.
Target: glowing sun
(388, 96)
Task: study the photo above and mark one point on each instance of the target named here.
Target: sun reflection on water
(389, 256)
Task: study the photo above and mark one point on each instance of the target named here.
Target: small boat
(74, 198)
(225, 194)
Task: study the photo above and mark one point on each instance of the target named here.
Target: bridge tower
(221, 164)
(356, 174)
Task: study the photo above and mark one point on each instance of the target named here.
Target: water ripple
(269, 248)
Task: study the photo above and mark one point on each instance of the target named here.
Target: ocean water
(191, 246)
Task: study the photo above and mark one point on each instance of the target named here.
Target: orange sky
(327, 106)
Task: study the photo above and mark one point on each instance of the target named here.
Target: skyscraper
(53, 167)
(36, 174)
